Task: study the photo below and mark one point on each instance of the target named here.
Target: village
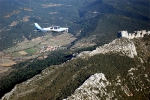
(49, 48)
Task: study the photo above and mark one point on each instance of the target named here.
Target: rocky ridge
(94, 85)
(97, 87)
(123, 46)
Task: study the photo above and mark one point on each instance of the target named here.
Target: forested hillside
(106, 17)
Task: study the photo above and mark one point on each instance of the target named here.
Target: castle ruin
(136, 34)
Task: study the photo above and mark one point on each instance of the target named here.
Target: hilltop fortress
(136, 34)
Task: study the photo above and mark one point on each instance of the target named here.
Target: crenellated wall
(136, 34)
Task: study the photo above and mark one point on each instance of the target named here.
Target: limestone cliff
(123, 46)
(97, 87)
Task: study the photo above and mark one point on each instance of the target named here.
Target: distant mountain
(118, 70)
(104, 18)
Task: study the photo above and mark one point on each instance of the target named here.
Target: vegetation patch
(14, 54)
(31, 51)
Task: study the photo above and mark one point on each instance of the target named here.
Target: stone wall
(136, 34)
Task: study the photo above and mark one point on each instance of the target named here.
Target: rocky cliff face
(98, 87)
(105, 81)
(123, 46)
(92, 88)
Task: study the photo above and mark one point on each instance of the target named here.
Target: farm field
(34, 48)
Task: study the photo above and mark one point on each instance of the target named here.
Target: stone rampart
(136, 34)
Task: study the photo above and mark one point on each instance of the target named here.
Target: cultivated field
(34, 48)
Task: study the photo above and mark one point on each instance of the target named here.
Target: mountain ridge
(124, 83)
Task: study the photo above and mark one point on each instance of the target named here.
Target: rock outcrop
(123, 46)
(91, 88)
(97, 87)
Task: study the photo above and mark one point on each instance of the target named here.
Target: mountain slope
(104, 18)
(118, 75)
